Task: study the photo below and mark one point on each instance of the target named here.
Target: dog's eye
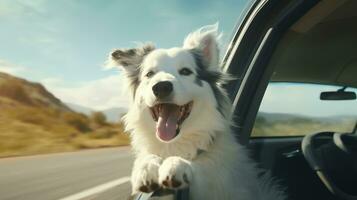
(185, 71)
(150, 74)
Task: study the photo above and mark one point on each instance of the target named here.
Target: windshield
(56, 97)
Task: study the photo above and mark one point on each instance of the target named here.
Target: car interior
(320, 48)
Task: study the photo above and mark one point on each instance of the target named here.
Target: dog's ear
(130, 59)
(204, 42)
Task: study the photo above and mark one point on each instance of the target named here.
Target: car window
(311, 60)
(292, 109)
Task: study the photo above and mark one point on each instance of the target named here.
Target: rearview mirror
(338, 95)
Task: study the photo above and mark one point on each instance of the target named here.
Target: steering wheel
(333, 156)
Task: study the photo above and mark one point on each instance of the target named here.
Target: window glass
(291, 109)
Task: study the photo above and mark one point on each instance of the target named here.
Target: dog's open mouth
(169, 118)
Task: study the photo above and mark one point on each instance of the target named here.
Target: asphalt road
(91, 174)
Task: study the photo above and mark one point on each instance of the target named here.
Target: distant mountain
(79, 108)
(273, 117)
(279, 116)
(112, 114)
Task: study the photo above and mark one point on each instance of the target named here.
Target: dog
(180, 119)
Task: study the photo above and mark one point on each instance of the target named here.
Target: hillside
(32, 121)
(28, 93)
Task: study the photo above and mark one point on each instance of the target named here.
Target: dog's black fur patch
(134, 80)
(131, 60)
(198, 81)
(213, 78)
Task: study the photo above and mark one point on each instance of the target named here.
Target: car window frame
(250, 56)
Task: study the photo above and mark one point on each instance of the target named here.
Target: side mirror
(340, 94)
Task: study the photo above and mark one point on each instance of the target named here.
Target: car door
(258, 59)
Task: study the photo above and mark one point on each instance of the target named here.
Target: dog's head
(176, 91)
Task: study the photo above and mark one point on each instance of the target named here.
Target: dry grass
(26, 130)
(14, 90)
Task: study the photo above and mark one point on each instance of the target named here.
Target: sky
(63, 44)
(304, 99)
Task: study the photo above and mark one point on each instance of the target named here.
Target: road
(90, 174)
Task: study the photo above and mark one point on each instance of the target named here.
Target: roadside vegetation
(28, 130)
(34, 122)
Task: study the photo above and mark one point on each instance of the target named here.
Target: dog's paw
(175, 173)
(145, 175)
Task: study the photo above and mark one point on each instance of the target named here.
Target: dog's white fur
(223, 170)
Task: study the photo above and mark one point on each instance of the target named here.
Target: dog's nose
(162, 89)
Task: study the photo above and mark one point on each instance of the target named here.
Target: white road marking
(97, 189)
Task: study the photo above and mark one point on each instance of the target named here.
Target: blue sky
(63, 44)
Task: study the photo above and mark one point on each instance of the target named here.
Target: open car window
(313, 60)
(293, 109)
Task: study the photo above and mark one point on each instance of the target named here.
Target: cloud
(37, 40)
(11, 68)
(11, 8)
(97, 94)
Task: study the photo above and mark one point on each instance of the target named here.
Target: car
(294, 96)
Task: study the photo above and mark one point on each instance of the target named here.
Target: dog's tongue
(166, 123)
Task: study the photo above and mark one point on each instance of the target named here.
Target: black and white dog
(180, 123)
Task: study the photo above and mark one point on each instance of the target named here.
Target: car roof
(321, 47)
